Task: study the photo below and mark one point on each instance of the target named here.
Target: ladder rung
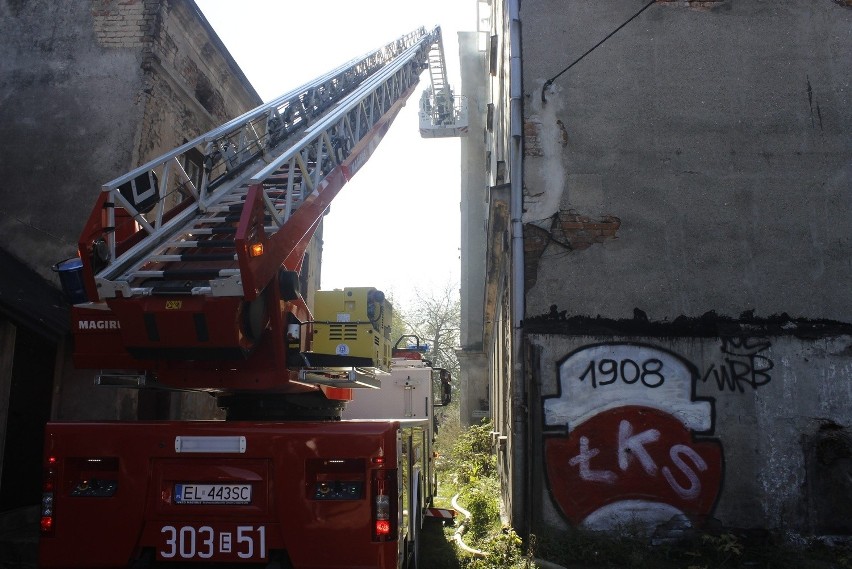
(212, 230)
(231, 218)
(225, 208)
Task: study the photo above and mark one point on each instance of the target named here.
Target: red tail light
(383, 527)
(385, 505)
(48, 493)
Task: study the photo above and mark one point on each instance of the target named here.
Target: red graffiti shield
(633, 453)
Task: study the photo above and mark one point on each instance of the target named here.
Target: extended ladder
(295, 151)
(442, 114)
(192, 266)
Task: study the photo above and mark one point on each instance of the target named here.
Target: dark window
(493, 55)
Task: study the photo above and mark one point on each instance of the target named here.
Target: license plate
(234, 494)
(216, 543)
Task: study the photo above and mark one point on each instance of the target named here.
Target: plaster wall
(699, 160)
(686, 209)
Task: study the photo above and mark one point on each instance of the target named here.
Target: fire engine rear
(191, 285)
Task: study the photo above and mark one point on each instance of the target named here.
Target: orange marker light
(256, 250)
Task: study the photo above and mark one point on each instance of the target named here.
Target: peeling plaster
(545, 171)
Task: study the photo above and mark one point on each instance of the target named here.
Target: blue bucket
(70, 273)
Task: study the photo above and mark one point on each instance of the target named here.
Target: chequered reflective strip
(439, 513)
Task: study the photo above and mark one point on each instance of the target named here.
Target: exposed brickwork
(532, 137)
(206, 94)
(141, 24)
(581, 231)
(563, 133)
(124, 23)
(536, 240)
(569, 230)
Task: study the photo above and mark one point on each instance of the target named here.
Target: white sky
(404, 203)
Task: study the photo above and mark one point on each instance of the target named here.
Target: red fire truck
(193, 285)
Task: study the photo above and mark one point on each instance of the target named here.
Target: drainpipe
(520, 466)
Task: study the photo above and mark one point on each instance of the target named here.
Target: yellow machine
(355, 324)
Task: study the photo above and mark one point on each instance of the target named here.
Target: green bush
(481, 501)
(470, 456)
(504, 550)
(468, 463)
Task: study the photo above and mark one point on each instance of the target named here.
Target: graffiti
(633, 454)
(745, 365)
(627, 370)
(668, 381)
(626, 449)
(630, 446)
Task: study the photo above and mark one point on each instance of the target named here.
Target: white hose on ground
(458, 534)
(540, 563)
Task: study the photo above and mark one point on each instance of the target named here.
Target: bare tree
(399, 328)
(434, 318)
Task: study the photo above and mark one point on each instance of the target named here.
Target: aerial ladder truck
(192, 283)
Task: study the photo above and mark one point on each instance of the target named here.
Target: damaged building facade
(90, 89)
(666, 315)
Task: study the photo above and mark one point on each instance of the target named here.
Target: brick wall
(570, 231)
(580, 232)
(124, 23)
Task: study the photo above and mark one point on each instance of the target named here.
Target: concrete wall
(473, 381)
(698, 160)
(68, 120)
(752, 431)
(687, 343)
(90, 90)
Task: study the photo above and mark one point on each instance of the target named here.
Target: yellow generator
(355, 325)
